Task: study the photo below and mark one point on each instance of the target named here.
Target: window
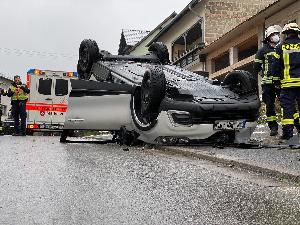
(61, 87)
(292, 21)
(247, 48)
(221, 62)
(45, 86)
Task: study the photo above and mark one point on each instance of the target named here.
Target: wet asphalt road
(45, 182)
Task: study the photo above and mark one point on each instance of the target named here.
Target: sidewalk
(282, 163)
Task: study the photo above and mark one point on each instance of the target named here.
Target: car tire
(88, 54)
(63, 136)
(29, 132)
(240, 82)
(161, 51)
(146, 100)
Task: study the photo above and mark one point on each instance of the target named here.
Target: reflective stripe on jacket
(288, 62)
(264, 60)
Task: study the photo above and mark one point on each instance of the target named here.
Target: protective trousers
(269, 94)
(19, 112)
(289, 100)
(1, 125)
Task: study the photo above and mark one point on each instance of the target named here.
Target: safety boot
(285, 136)
(274, 131)
(273, 126)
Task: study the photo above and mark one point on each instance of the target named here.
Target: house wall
(230, 46)
(222, 16)
(286, 15)
(218, 16)
(181, 26)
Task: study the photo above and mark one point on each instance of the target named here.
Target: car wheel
(126, 137)
(240, 82)
(63, 136)
(161, 51)
(29, 132)
(146, 99)
(88, 54)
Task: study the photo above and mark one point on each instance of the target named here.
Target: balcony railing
(190, 57)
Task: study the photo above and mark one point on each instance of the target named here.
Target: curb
(234, 163)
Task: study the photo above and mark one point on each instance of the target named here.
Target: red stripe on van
(46, 108)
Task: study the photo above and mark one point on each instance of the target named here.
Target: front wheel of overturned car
(146, 99)
(88, 54)
(241, 82)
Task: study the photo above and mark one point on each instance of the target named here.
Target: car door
(60, 99)
(97, 105)
(40, 101)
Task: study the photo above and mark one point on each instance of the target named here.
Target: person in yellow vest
(19, 94)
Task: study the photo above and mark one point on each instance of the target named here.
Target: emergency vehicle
(48, 100)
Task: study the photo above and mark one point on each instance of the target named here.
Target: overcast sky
(46, 34)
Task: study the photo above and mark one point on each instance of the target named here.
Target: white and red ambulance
(48, 99)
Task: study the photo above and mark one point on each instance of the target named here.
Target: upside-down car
(145, 98)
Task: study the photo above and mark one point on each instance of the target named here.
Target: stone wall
(222, 16)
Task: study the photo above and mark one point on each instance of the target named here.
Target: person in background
(19, 95)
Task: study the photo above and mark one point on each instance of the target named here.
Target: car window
(45, 86)
(61, 87)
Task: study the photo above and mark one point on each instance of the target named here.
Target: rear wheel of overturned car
(88, 54)
(161, 50)
(240, 82)
(146, 100)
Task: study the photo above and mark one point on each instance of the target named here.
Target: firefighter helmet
(271, 30)
(291, 28)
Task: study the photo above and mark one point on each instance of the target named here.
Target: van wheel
(29, 132)
(88, 54)
(63, 136)
(146, 100)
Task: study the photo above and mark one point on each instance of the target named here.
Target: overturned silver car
(145, 98)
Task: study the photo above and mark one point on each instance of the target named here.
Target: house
(200, 24)
(237, 48)
(141, 48)
(129, 38)
(5, 82)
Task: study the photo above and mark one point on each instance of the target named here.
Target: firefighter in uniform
(264, 58)
(19, 95)
(287, 65)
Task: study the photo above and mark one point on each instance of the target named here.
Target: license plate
(230, 125)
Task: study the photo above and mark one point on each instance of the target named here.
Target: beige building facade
(217, 37)
(237, 48)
